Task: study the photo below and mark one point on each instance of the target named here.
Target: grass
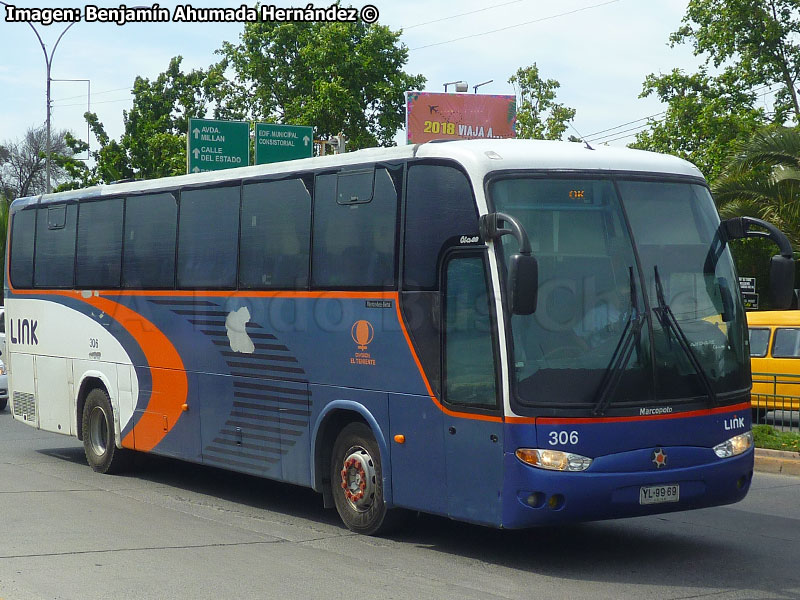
(767, 436)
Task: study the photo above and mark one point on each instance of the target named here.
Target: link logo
(23, 331)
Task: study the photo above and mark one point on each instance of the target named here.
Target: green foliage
(156, 126)
(539, 116)
(705, 115)
(763, 180)
(766, 436)
(754, 41)
(333, 76)
(749, 45)
(154, 141)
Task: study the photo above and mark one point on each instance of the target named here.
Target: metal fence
(776, 400)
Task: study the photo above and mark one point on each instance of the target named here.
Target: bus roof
(479, 156)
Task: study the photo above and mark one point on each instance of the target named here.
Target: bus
(504, 332)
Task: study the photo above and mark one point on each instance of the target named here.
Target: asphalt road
(175, 530)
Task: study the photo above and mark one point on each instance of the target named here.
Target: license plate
(656, 494)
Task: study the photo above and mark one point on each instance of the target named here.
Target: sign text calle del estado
(213, 145)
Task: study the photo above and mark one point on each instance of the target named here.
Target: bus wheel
(3, 402)
(99, 442)
(356, 479)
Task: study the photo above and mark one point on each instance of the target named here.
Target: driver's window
(470, 378)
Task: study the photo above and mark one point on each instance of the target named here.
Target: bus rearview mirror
(781, 282)
(523, 279)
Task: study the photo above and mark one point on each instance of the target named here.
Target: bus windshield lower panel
(597, 335)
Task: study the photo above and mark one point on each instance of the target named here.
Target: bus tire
(3, 403)
(357, 481)
(99, 442)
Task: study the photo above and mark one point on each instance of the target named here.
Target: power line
(608, 135)
(622, 137)
(472, 12)
(127, 87)
(591, 137)
(624, 124)
(466, 37)
(93, 103)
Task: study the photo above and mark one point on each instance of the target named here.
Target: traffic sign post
(213, 145)
(275, 143)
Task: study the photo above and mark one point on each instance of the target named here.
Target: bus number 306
(563, 438)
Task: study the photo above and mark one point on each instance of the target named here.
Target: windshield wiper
(622, 353)
(669, 323)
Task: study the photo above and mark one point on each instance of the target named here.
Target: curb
(777, 461)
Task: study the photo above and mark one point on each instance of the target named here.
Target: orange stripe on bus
(170, 387)
(154, 348)
(220, 293)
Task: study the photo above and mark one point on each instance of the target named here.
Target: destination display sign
(213, 145)
(436, 115)
(275, 143)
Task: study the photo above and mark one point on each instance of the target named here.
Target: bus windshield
(606, 247)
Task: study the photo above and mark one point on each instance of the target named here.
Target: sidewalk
(777, 461)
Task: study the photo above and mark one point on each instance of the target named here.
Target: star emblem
(659, 458)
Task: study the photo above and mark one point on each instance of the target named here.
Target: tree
(23, 163)
(704, 116)
(337, 77)
(753, 41)
(539, 116)
(763, 179)
(156, 126)
(154, 141)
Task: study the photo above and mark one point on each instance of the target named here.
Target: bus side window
(469, 369)
(99, 259)
(440, 210)
(54, 264)
(23, 229)
(354, 241)
(151, 222)
(208, 238)
(275, 235)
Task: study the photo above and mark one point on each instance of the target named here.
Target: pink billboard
(437, 116)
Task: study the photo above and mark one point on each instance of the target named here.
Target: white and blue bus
(504, 332)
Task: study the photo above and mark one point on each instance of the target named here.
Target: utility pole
(48, 59)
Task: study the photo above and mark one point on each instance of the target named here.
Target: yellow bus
(775, 360)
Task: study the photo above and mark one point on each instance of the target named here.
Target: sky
(599, 50)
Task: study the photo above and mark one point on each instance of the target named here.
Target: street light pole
(49, 62)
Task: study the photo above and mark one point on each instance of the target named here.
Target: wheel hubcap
(98, 431)
(359, 479)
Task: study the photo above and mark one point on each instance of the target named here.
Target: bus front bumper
(539, 497)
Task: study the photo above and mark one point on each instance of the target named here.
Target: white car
(3, 375)
(3, 386)
(2, 333)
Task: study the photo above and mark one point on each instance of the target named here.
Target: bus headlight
(736, 445)
(553, 460)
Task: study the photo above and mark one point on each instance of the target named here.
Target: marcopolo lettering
(23, 331)
(661, 410)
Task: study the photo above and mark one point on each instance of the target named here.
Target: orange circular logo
(362, 333)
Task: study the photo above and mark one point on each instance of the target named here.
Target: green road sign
(213, 145)
(275, 143)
